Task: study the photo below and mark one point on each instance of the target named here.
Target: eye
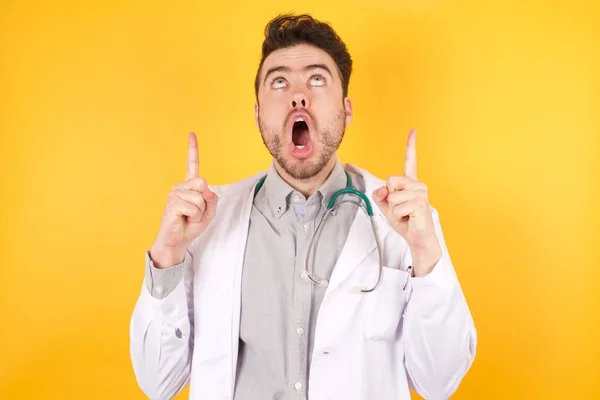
(317, 80)
(278, 83)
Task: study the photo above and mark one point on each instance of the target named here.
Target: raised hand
(191, 205)
(405, 203)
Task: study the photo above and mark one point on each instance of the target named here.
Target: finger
(379, 196)
(410, 159)
(402, 196)
(193, 159)
(181, 207)
(394, 183)
(192, 197)
(409, 209)
(198, 184)
(211, 200)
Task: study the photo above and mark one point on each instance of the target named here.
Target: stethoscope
(330, 208)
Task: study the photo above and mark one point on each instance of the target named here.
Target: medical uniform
(239, 319)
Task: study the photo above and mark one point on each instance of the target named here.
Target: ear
(256, 116)
(348, 108)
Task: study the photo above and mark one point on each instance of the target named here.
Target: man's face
(301, 112)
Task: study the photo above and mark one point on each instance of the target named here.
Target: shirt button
(303, 275)
(300, 331)
(158, 289)
(306, 226)
(298, 385)
(296, 199)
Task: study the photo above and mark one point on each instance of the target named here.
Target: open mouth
(300, 133)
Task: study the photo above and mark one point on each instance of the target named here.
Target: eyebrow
(282, 68)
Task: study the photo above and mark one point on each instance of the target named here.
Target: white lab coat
(367, 345)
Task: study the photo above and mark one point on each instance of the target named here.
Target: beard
(328, 140)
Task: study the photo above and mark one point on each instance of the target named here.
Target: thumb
(211, 199)
(380, 196)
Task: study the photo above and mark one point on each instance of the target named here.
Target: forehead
(297, 57)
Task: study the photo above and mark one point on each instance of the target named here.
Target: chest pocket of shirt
(385, 306)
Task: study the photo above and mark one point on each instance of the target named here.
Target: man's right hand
(191, 205)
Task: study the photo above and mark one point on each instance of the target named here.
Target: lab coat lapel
(235, 207)
(361, 239)
(246, 209)
(359, 244)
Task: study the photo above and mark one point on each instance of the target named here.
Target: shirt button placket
(305, 229)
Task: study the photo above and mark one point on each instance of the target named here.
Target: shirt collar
(335, 181)
(279, 192)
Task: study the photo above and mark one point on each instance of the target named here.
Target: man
(248, 296)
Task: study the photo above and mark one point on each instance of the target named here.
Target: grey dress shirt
(279, 303)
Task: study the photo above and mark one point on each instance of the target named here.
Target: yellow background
(96, 102)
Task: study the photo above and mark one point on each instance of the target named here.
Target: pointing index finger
(192, 162)
(410, 159)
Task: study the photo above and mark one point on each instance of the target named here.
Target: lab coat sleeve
(161, 337)
(438, 332)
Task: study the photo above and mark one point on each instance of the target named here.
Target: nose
(299, 100)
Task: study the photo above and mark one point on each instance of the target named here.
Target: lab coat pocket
(385, 306)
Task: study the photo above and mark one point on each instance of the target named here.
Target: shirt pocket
(385, 305)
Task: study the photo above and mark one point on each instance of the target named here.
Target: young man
(248, 296)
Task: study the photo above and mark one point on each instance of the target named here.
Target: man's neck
(309, 186)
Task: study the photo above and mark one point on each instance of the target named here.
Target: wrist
(426, 257)
(163, 257)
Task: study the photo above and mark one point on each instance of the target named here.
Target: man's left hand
(404, 202)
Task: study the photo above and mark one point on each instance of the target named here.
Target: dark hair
(289, 30)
